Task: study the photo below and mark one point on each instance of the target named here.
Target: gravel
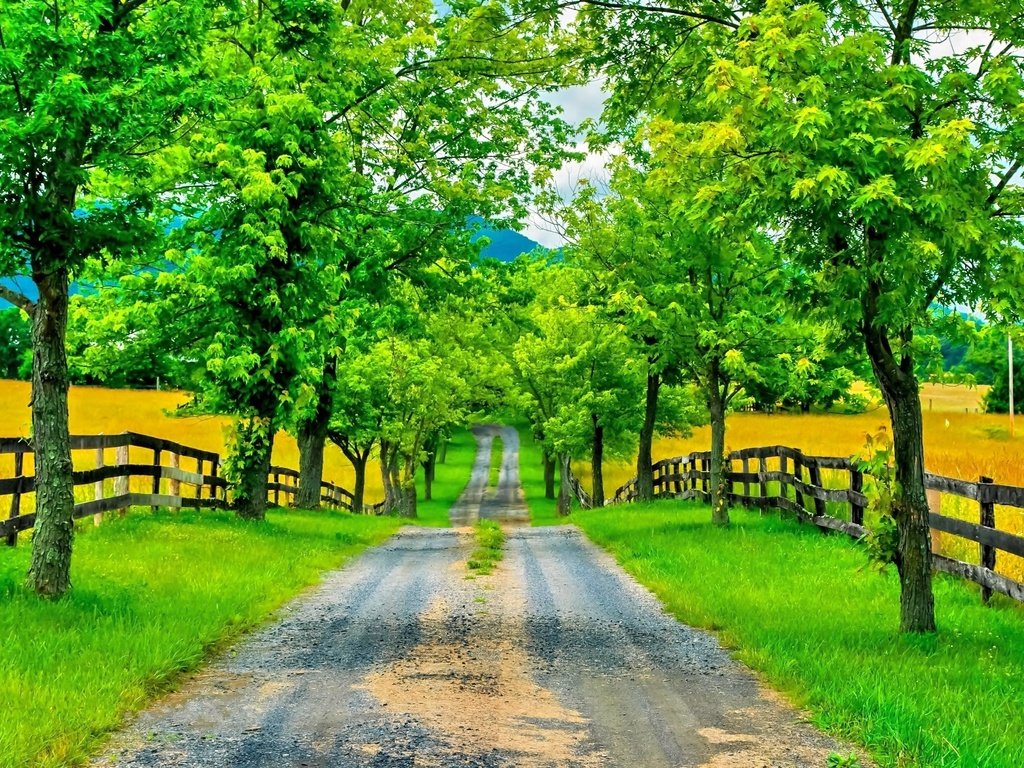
(403, 659)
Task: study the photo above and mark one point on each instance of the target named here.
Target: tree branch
(17, 299)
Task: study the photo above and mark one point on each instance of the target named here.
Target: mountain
(504, 244)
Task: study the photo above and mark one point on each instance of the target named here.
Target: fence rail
(208, 488)
(797, 486)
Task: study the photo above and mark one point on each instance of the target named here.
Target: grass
(153, 595)
(805, 611)
(450, 480)
(531, 473)
(490, 540)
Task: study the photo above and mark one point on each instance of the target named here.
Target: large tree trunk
(549, 475)
(312, 438)
(899, 387)
(597, 464)
(254, 444)
(50, 570)
(564, 505)
(645, 449)
(716, 411)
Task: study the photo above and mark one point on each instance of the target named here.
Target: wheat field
(960, 441)
(96, 410)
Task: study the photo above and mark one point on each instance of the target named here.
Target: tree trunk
(359, 486)
(429, 471)
(390, 496)
(597, 464)
(50, 570)
(549, 475)
(564, 506)
(645, 450)
(311, 437)
(913, 558)
(716, 410)
(254, 444)
(408, 501)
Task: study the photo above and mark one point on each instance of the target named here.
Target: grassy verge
(531, 472)
(489, 542)
(494, 472)
(803, 610)
(153, 594)
(450, 481)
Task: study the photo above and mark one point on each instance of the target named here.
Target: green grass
(494, 472)
(531, 472)
(803, 609)
(450, 481)
(153, 595)
(490, 540)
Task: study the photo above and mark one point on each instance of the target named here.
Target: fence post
(19, 469)
(200, 465)
(762, 471)
(704, 480)
(857, 485)
(783, 476)
(677, 465)
(156, 477)
(814, 473)
(746, 481)
(798, 475)
(98, 517)
(121, 482)
(277, 489)
(175, 483)
(988, 519)
(214, 467)
(934, 506)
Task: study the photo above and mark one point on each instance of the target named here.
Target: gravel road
(556, 659)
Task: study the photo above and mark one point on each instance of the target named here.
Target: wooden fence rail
(797, 486)
(208, 488)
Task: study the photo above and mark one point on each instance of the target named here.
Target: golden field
(95, 410)
(960, 441)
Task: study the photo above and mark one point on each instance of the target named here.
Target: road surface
(558, 659)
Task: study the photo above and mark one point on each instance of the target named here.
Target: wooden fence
(205, 487)
(777, 477)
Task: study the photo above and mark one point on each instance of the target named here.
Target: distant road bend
(558, 659)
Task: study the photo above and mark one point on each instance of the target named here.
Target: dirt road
(503, 503)
(557, 659)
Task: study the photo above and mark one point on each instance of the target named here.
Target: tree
(887, 160)
(15, 342)
(450, 127)
(88, 88)
(580, 379)
(997, 399)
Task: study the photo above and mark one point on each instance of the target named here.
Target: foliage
(997, 399)
(15, 343)
(876, 461)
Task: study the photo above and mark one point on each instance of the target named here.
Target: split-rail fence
(159, 479)
(828, 491)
